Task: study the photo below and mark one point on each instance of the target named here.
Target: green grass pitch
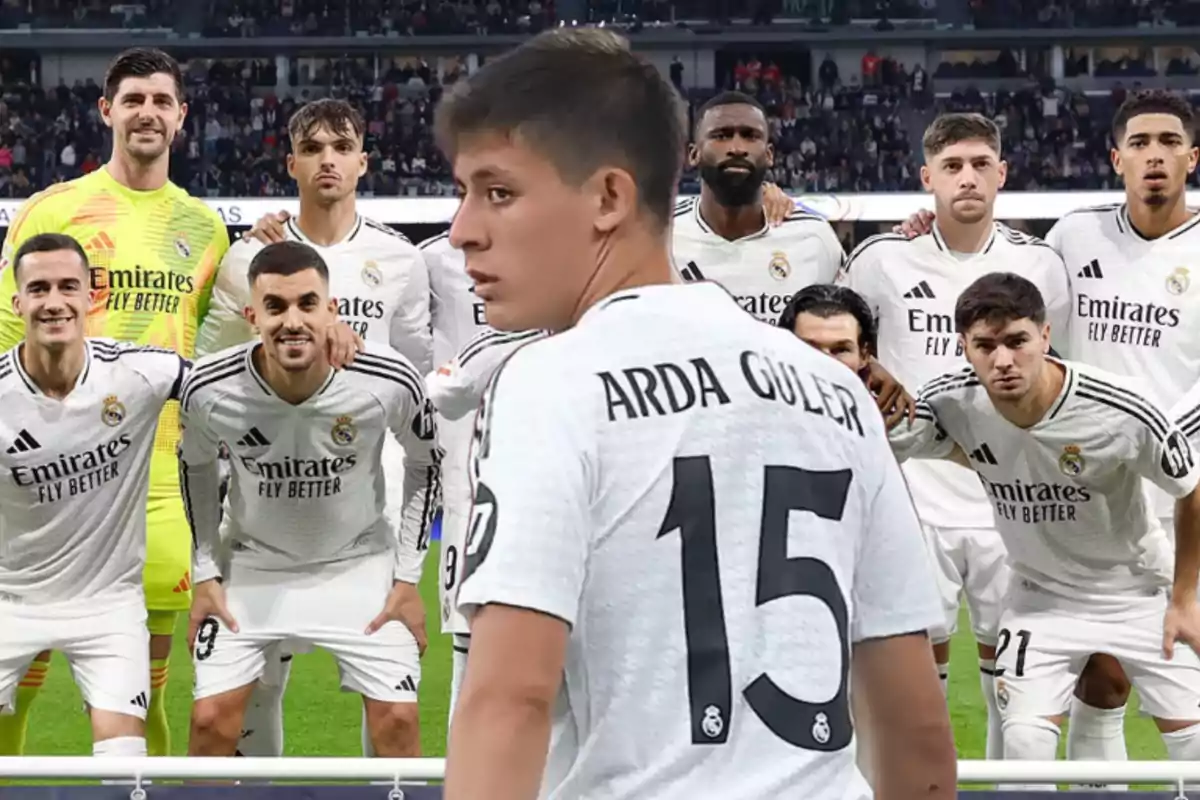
(320, 720)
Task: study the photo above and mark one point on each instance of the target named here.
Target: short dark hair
(727, 99)
(141, 62)
(827, 300)
(950, 129)
(336, 115)
(999, 298)
(287, 258)
(1154, 101)
(47, 243)
(585, 100)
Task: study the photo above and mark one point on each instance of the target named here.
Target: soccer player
(306, 509)
(911, 286)
(1133, 314)
(382, 289)
(835, 320)
(636, 474)
(1062, 451)
(77, 435)
(153, 251)
(724, 235)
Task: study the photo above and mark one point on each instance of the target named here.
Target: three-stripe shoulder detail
(379, 226)
(6, 364)
(684, 205)
(110, 351)
(1125, 400)
(964, 378)
(1019, 238)
(389, 369)
(1188, 421)
(432, 240)
(489, 339)
(207, 373)
(871, 241)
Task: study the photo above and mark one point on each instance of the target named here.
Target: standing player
(1063, 451)
(724, 235)
(1135, 313)
(78, 429)
(911, 286)
(306, 509)
(382, 289)
(153, 252)
(663, 670)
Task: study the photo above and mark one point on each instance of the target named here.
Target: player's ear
(926, 178)
(183, 111)
(615, 196)
(1046, 338)
(16, 303)
(693, 155)
(1193, 156)
(291, 166)
(333, 306)
(105, 109)
(249, 315)
(362, 164)
(770, 154)
(1116, 162)
(1002, 172)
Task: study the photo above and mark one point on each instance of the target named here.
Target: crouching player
(79, 422)
(313, 560)
(1062, 449)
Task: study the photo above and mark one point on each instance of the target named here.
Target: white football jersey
(458, 315)
(763, 270)
(306, 483)
(76, 472)
(711, 506)
(377, 277)
(1069, 493)
(912, 286)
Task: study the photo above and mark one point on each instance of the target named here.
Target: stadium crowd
(830, 135)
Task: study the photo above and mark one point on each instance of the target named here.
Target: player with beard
(724, 235)
(1134, 314)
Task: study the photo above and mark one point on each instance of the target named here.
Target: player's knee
(394, 723)
(216, 718)
(1103, 684)
(1030, 739)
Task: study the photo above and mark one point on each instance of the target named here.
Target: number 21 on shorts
(813, 726)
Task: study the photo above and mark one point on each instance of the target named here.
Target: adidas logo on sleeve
(24, 443)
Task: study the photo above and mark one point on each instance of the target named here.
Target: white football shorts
(970, 563)
(105, 641)
(327, 606)
(1043, 648)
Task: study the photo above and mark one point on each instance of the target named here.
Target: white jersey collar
(941, 245)
(1125, 225)
(294, 230)
(704, 226)
(266, 387)
(33, 387)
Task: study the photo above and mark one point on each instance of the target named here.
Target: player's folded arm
(923, 437)
(457, 387)
(415, 428)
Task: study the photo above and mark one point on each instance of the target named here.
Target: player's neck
(55, 371)
(731, 222)
(291, 386)
(1152, 222)
(136, 175)
(1032, 408)
(965, 237)
(636, 260)
(327, 225)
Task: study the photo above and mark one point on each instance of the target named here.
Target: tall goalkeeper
(153, 252)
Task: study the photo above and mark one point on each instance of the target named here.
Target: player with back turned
(153, 251)
(619, 645)
(911, 284)
(1063, 450)
(1135, 312)
(77, 434)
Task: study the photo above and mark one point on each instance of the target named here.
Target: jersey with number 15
(711, 506)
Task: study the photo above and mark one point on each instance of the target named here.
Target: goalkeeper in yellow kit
(154, 252)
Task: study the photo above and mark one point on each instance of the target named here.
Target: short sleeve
(165, 370)
(893, 580)
(861, 274)
(1056, 291)
(834, 256)
(528, 535)
(1162, 451)
(1186, 415)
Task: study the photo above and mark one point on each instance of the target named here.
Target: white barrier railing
(399, 770)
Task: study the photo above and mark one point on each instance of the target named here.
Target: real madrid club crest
(1179, 281)
(779, 266)
(113, 412)
(1001, 694)
(1071, 461)
(344, 431)
(182, 247)
(371, 274)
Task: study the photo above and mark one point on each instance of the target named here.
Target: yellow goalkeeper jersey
(153, 255)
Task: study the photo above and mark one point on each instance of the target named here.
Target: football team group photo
(601, 491)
